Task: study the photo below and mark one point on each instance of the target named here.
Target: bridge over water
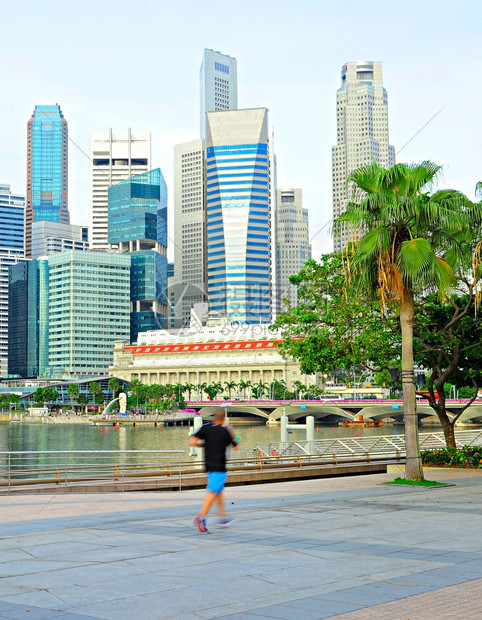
(329, 411)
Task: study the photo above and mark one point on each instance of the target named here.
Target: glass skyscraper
(47, 169)
(238, 211)
(28, 319)
(12, 249)
(138, 225)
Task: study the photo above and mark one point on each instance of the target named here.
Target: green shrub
(467, 456)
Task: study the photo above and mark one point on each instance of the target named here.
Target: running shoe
(201, 525)
(224, 522)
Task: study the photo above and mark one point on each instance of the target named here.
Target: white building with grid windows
(361, 132)
(189, 281)
(115, 157)
(292, 243)
(89, 309)
(218, 85)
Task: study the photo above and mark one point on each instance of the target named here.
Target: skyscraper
(138, 225)
(50, 237)
(12, 249)
(89, 296)
(218, 85)
(115, 157)
(362, 132)
(238, 212)
(188, 285)
(28, 308)
(47, 169)
(292, 242)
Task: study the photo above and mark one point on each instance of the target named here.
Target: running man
(214, 437)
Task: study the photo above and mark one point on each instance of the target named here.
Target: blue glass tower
(12, 249)
(138, 224)
(28, 341)
(238, 215)
(47, 169)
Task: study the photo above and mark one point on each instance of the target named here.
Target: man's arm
(234, 441)
(195, 441)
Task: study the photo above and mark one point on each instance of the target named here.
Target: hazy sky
(126, 64)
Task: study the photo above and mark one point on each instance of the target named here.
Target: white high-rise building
(115, 157)
(218, 85)
(292, 242)
(361, 133)
(189, 281)
(51, 237)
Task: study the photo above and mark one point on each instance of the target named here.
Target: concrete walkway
(348, 548)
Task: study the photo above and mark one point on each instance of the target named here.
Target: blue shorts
(216, 481)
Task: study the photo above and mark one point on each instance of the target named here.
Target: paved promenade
(346, 548)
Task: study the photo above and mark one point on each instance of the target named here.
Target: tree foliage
(330, 328)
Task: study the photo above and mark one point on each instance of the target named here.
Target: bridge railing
(356, 447)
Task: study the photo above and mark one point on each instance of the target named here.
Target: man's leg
(209, 500)
(221, 510)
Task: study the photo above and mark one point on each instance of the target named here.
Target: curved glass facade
(238, 216)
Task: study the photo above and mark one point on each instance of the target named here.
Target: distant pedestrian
(215, 438)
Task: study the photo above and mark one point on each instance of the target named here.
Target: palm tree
(230, 385)
(244, 385)
(189, 387)
(259, 388)
(412, 241)
(73, 391)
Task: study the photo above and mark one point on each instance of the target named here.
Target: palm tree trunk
(413, 469)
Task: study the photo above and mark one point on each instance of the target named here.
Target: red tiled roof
(252, 345)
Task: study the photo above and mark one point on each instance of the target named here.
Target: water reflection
(25, 436)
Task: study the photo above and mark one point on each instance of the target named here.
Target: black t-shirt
(216, 439)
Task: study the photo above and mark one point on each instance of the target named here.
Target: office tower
(12, 249)
(218, 85)
(47, 169)
(50, 237)
(28, 308)
(89, 296)
(292, 242)
(138, 225)
(361, 134)
(238, 213)
(115, 157)
(188, 286)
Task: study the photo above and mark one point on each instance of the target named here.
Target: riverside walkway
(349, 549)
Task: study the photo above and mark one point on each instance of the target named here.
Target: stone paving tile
(293, 547)
(459, 601)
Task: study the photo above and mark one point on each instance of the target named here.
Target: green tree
(412, 241)
(73, 391)
(50, 395)
(114, 386)
(14, 399)
(189, 387)
(230, 385)
(4, 401)
(83, 400)
(137, 390)
(213, 390)
(259, 388)
(245, 385)
(330, 329)
(448, 343)
(38, 396)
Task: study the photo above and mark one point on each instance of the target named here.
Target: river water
(30, 436)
